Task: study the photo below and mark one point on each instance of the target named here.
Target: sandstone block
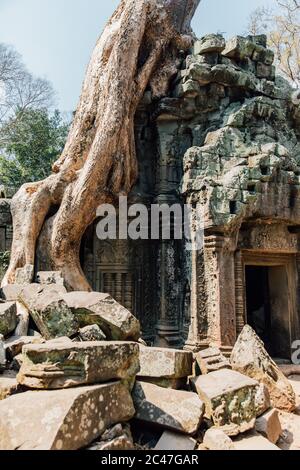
(93, 308)
(24, 275)
(49, 310)
(165, 363)
(8, 385)
(8, 318)
(253, 441)
(64, 365)
(269, 425)
(216, 439)
(91, 333)
(209, 43)
(171, 409)
(174, 441)
(13, 346)
(117, 438)
(62, 419)
(211, 359)
(229, 399)
(250, 358)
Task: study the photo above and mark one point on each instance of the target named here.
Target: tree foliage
(32, 140)
(283, 27)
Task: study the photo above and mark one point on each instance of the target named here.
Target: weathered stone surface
(63, 365)
(253, 441)
(165, 363)
(8, 385)
(91, 333)
(17, 362)
(92, 308)
(171, 409)
(50, 277)
(250, 358)
(229, 399)
(216, 439)
(23, 317)
(117, 438)
(209, 43)
(175, 384)
(174, 441)
(2, 354)
(8, 318)
(269, 425)
(49, 310)
(262, 400)
(211, 359)
(11, 292)
(290, 436)
(13, 345)
(24, 275)
(70, 419)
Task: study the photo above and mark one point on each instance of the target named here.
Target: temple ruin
(226, 140)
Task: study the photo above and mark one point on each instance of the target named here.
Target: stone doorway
(268, 306)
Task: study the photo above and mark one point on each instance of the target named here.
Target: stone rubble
(211, 360)
(176, 442)
(268, 425)
(216, 439)
(8, 318)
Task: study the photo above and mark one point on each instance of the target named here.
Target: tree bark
(137, 49)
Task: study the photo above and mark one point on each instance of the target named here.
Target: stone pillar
(220, 286)
(239, 293)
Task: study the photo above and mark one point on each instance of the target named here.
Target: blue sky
(56, 37)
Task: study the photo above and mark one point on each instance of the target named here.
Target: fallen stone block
(17, 362)
(262, 400)
(175, 384)
(13, 346)
(49, 310)
(253, 441)
(290, 435)
(91, 333)
(117, 438)
(170, 409)
(176, 442)
(269, 425)
(216, 439)
(64, 365)
(229, 399)
(250, 358)
(8, 385)
(62, 419)
(94, 308)
(50, 277)
(211, 359)
(165, 363)
(11, 292)
(23, 318)
(8, 318)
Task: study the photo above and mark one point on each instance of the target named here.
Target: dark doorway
(268, 307)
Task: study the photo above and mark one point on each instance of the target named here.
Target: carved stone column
(239, 293)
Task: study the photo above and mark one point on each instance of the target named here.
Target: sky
(56, 37)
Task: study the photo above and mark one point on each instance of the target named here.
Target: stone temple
(226, 140)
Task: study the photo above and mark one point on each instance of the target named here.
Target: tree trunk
(137, 49)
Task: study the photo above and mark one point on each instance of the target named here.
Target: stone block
(24, 275)
(64, 365)
(117, 438)
(62, 419)
(8, 385)
(250, 358)
(209, 43)
(229, 399)
(93, 308)
(170, 409)
(91, 333)
(211, 360)
(216, 439)
(175, 442)
(49, 310)
(8, 318)
(13, 346)
(269, 425)
(50, 277)
(165, 363)
(2, 354)
(253, 441)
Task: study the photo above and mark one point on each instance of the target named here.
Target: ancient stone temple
(226, 140)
